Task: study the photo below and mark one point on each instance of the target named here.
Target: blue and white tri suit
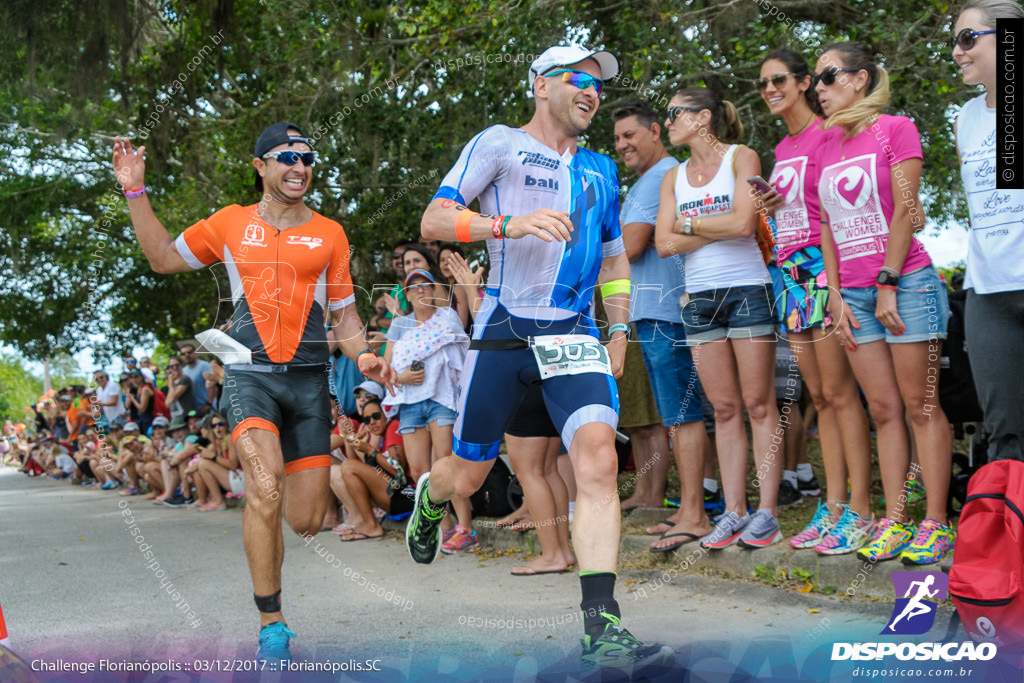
(534, 287)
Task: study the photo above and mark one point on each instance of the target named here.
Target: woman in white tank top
(709, 216)
(994, 317)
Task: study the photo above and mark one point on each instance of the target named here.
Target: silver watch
(688, 226)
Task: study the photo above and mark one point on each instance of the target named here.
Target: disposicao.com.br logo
(917, 598)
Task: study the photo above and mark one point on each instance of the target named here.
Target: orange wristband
(462, 225)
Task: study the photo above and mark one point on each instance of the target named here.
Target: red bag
(160, 404)
(986, 581)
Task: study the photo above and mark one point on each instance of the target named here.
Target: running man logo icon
(914, 612)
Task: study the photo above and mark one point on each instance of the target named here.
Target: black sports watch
(887, 279)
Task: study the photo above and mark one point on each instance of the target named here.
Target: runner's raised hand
(129, 165)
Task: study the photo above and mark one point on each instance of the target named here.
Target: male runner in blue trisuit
(551, 218)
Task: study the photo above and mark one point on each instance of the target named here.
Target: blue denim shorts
(670, 367)
(733, 312)
(412, 416)
(920, 302)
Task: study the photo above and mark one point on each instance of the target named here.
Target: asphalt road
(76, 586)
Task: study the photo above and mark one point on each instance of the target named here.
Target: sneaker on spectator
(713, 501)
(177, 501)
(850, 533)
(930, 544)
(788, 494)
(761, 531)
(811, 487)
(112, 484)
(821, 523)
(446, 535)
(461, 539)
(274, 644)
(727, 531)
(130, 491)
(915, 491)
(89, 483)
(889, 540)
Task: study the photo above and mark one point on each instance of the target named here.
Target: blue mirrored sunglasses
(290, 158)
(579, 79)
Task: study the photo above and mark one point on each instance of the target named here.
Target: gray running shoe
(761, 532)
(726, 532)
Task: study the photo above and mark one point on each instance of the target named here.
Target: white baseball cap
(566, 55)
(371, 387)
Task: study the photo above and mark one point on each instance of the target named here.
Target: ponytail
(725, 120)
(855, 118)
(731, 128)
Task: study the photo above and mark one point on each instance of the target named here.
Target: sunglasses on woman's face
(419, 286)
(828, 76)
(967, 38)
(774, 79)
(372, 416)
(674, 112)
(218, 424)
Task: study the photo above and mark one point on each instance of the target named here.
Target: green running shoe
(617, 648)
(423, 533)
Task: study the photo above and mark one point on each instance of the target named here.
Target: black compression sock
(598, 589)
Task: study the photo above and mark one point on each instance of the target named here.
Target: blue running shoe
(274, 643)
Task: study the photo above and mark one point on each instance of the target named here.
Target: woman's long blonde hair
(855, 118)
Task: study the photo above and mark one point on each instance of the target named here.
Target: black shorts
(531, 417)
(295, 405)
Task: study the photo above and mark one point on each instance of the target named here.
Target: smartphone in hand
(760, 184)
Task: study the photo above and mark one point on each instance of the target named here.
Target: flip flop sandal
(690, 538)
(667, 522)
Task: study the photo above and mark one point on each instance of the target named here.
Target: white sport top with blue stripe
(513, 173)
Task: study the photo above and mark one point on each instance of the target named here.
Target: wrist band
(364, 354)
(886, 286)
(696, 227)
(891, 271)
(504, 226)
(496, 227)
(132, 194)
(621, 286)
(462, 225)
(618, 327)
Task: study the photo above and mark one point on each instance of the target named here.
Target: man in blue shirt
(657, 285)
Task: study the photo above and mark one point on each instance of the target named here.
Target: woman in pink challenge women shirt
(995, 256)
(893, 309)
(836, 528)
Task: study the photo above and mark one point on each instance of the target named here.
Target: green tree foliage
(18, 389)
(391, 92)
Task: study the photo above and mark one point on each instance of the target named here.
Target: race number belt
(569, 354)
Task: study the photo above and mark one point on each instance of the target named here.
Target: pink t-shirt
(795, 176)
(857, 200)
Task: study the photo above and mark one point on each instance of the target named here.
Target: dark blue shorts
(495, 381)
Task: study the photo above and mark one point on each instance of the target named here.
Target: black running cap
(277, 134)
(273, 136)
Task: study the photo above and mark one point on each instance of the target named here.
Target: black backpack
(492, 498)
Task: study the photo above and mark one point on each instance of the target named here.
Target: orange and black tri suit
(282, 281)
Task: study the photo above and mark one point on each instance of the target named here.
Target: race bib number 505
(569, 354)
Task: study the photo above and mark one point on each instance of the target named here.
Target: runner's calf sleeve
(598, 588)
(268, 603)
